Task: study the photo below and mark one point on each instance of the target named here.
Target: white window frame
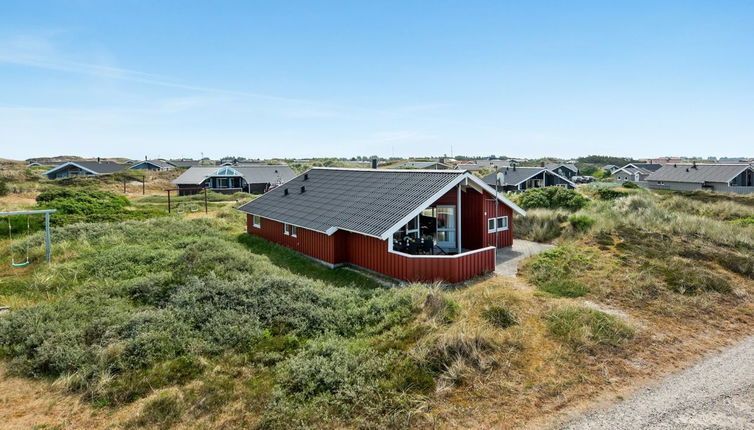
(290, 230)
(505, 219)
(497, 225)
(256, 221)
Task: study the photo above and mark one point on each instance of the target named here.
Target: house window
(289, 230)
(256, 221)
(501, 224)
(660, 183)
(412, 228)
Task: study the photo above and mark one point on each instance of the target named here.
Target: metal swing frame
(48, 241)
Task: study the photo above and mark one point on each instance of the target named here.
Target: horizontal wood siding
(311, 243)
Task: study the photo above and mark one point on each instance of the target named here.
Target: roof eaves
(70, 163)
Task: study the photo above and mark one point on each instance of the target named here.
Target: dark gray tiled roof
(699, 174)
(553, 166)
(261, 174)
(184, 163)
(649, 167)
(514, 176)
(361, 200)
(423, 165)
(162, 164)
(99, 167)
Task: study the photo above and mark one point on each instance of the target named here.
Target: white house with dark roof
(517, 179)
(566, 170)
(635, 172)
(725, 178)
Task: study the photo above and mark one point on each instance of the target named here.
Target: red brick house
(412, 225)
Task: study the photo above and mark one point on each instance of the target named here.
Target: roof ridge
(361, 169)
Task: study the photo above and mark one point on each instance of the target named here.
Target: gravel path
(508, 258)
(716, 393)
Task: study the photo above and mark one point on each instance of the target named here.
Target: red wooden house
(412, 225)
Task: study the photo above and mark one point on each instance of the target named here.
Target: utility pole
(497, 186)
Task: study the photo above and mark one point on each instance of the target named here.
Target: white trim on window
(256, 221)
(495, 225)
(290, 230)
(502, 223)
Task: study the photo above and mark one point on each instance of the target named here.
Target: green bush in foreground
(558, 263)
(585, 328)
(88, 205)
(551, 198)
(158, 303)
(499, 317)
(581, 222)
(540, 225)
(688, 278)
(332, 379)
(610, 194)
(564, 288)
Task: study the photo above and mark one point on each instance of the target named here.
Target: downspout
(458, 219)
(497, 186)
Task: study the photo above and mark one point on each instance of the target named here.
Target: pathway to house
(716, 393)
(508, 258)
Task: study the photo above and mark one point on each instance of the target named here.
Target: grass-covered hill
(183, 321)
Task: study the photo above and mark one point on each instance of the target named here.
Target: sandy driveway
(716, 393)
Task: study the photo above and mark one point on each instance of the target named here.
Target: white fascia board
(500, 197)
(466, 176)
(397, 226)
(70, 163)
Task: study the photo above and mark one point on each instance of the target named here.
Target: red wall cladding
(371, 253)
(505, 237)
(312, 243)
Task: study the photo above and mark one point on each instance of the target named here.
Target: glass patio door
(446, 227)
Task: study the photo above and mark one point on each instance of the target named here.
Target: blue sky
(311, 79)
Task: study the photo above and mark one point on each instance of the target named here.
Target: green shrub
(88, 205)
(540, 225)
(499, 316)
(331, 380)
(684, 277)
(581, 222)
(585, 328)
(629, 184)
(610, 194)
(558, 263)
(564, 288)
(551, 198)
(440, 307)
(745, 222)
(4, 187)
(162, 412)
